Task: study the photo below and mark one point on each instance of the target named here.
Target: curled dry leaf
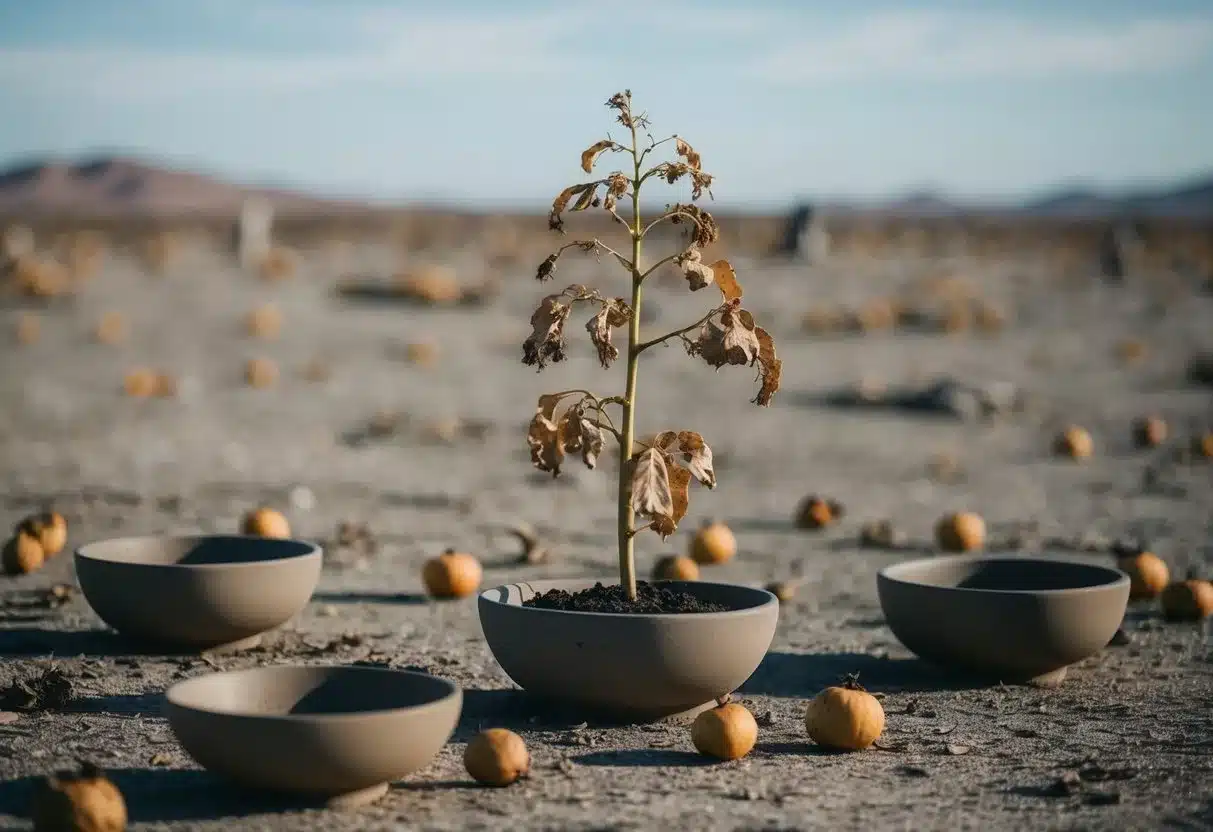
(591, 154)
(706, 231)
(561, 203)
(651, 495)
(683, 149)
(614, 313)
(543, 436)
(579, 434)
(680, 500)
(769, 368)
(546, 342)
(731, 341)
(617, 186)
(698, 456)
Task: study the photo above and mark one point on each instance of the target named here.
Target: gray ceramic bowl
(1015, 619)
(197, 592)
(630, 667)
(340, 733)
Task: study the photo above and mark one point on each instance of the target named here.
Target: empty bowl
(1015, 619)
(197, 592)
(339, 733)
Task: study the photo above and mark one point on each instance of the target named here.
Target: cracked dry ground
(1134, 722)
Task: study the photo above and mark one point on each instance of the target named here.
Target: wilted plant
(654, 477)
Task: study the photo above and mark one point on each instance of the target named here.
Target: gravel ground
(1134, 721)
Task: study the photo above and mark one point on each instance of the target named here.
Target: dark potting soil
(650, 599)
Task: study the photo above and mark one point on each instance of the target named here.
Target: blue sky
(492, 101)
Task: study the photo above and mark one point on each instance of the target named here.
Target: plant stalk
(627, 550)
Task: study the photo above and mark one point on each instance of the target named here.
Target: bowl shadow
(161, 795)
(800, 675)
(33, 641)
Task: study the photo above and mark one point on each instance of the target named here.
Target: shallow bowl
(630, 667)
(197, 592)
(1015, 619)
(339, 733)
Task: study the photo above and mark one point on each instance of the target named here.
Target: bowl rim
(173, 693)
(767, 602)
(93, 551)
(1116, 577)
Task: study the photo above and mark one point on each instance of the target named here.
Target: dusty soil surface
(1134, 721)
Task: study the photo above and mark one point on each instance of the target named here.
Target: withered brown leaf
(651, 485)
(732, 341)
(587, 197)
(543, 436)
(697, 273)
(613, 313)
(591, 443)
(561, 203)
(546, 341)
(680, 499)
(770, 367)
(698, 457)
(726, 279)
(591, 154)
(706, 231)
(683, 149)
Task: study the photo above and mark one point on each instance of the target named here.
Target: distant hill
(116, 185)
(113, 185)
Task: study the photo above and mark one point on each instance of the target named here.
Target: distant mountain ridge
(120, 185)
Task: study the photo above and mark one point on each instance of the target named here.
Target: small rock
(303, 498)
(957, 750)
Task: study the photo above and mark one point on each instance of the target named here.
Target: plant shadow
(644, 758)
(510, 708)
(404, 598)
(795, 749)
(801, 675)
(33, 641)
(162, 795)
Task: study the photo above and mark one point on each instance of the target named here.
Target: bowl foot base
(353, 800)
(233, 646)
(1052, 679)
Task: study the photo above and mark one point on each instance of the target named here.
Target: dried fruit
(111, 329)
(1202, 444)
(496, 757)
(1149, 432)
(78, 801)
(676, 568)
(140, 383)
(264, 322)
(1148, 574)
(451, 575)
(961, 532)
(1074, 442)
(260, 373)
(817, 512)
(844, 717)
(49, 529)
(22, 554)
(726, 732)
(879, 534)
(1190, 600)
(266, 522)
(421, 353)
(714, 543)
(277, 263)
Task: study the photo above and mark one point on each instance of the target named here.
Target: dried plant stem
(627, 549)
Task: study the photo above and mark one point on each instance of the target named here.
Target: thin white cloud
(937, 46)
(396, 44)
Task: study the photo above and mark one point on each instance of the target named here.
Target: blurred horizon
(481, 104)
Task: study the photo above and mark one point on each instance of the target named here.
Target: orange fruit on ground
(266, 522)
(713, 544)
(22, 554)
(676, 568)
(451, 575)
(961, 532)
(726, 732)
(1074, 442)
(1148, 574)
(496, 757)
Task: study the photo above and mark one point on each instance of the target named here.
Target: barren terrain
(1135, 721)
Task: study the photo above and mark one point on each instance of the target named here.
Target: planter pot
(633, 668)
(1011, 619)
